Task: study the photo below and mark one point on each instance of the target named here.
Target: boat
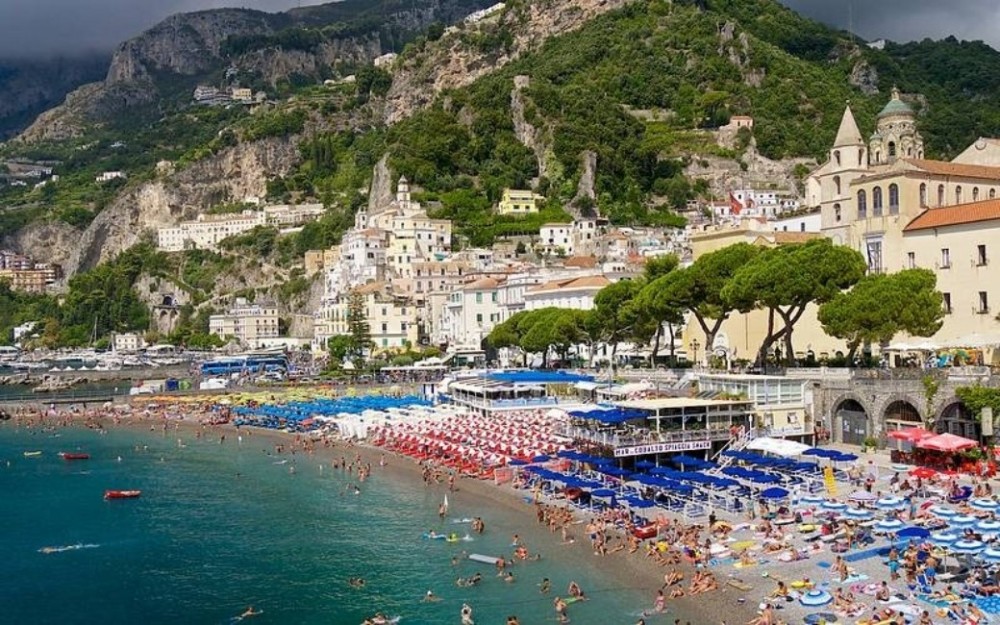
(122, 494)
(32, 454)
(68, 455)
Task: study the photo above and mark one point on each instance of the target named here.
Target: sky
(38, 28)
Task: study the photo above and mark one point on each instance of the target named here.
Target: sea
(223, 526)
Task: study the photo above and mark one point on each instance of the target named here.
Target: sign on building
(661, 448)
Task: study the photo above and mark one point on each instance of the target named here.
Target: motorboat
(32, 454)
(122, 494)
(69, 455)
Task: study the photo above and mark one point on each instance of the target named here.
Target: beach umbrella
(962, 521)
(991, 555)
(815, 598)
(833, 505)
(924, 473)
(774, 493)
(942, 512)
(890, 503)
(984, 504)
(943, 539)
(844, 458)
(862, 495)
(812, 500)
(988, 527)
(645, 464)
(888, 525)
(820, 617)
(913, 532)
(858, 514)
(967, 547)
(900, 468)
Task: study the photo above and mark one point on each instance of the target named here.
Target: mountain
(264, 51)
(29, 87)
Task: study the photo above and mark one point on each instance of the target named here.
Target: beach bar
(651, 427)
(516, 390)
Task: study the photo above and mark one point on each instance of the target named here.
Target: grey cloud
(907, 20)
(32, 28)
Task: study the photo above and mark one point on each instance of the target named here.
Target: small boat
(32, 454)
(68, 455)
(122, 494)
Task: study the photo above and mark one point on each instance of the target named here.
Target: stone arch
(899, 413)
(955, 418)
(851, 419)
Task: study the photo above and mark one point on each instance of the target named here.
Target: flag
(734, 205)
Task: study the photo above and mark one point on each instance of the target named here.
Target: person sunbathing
(672, 577)
(746, 559)
(781, 591)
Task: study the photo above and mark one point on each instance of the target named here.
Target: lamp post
(694, 345)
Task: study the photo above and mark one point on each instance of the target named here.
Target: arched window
(836, 212)
(893, 199)
(923, 195)
(892, 149)
(836, 157)
(958, 194)
(975, 194)
(836, 185)
(877, 202)
(862, 204)
(861, 156)
(940, 201)
(993, 193)
(909, 152)
(878, 156)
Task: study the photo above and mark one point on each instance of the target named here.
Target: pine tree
(357, 323)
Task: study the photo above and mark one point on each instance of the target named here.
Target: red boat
(66, 455)
(122, 494)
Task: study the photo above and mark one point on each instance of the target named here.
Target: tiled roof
(583, 262)
(795, 237)
(944, 168)
(585, 282)
(986, 210)
(482, 284)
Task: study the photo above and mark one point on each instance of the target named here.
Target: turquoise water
(203, 542)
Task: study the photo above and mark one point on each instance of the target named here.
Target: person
(430, 597)
(560, 607)
(660, 604)
(512, 620)
(466, 614)
(509, 578)
(883, 592)
(574, 590)
(545, 586)
(925, 618)
(249, 612)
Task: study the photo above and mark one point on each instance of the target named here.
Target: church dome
(895, 106)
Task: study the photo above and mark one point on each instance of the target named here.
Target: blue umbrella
(967, 547)
(833, 505)
(991, 555)
(942, 512)
(603, 493)
(988, 527)
(962, 521)
(913, 532)
(812, 499)
(943, 539)
(889, 525)
(815, 598)
(645, 464)
(984, 504)
(542, 458)
(774, 493)
(844, 458)
(858, 514)
(820, 617)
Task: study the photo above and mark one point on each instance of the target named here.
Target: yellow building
(958, 243)
(518, 202)
(392, 320)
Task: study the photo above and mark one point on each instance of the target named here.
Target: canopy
(778, 446)
(911, 435)
(774, 493)
(946, 442)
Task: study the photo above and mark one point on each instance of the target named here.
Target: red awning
(946, 442)
(911, 435)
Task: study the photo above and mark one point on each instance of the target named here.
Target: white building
(127, 342)
(810, 222)
(557, 239)
(573, 293)
(207, 231)
(110, 175)
(249, 323)
(385, 60)
(473, 311)
(482, 14)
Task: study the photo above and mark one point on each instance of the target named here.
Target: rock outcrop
(55, 238)
(232, 175)
(865, 78)
(532, 137)
(380, 191)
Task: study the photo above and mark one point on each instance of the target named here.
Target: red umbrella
(946, 442)
(924, 473)
(911, 435)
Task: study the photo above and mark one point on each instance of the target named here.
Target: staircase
(735, 444)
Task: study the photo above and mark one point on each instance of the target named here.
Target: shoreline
(626, 572)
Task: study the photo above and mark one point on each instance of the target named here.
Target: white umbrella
(962, 521)
(984, 504)
(942, 512)
(967, 547)
(863, 495)
(816, 598)
(833, 505)
(889, 525)
(991, 555)
(943, 539)
(890, 503)
(858, 514)
(988, 527)
(812, 499)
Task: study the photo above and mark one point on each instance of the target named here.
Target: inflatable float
(478, 557)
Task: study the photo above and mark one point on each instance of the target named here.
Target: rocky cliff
(232, 175)
(456, 60)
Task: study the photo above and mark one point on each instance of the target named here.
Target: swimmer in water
(431, 597)
(249, 612)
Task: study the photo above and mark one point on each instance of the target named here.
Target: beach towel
(735, 583)
(721, 561)
(937, 603)
(853, 578)
(743, 565)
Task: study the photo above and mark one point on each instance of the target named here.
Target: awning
(778, 446)
(911, 435)
(586, 386)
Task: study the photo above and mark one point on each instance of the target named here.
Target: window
(873, 249)
(947, 303)
(493, 297)
(802, 227)
(940, 201)
(836, 213)
(836, 185)
(862, 204)
(384, 313)
(984, 303)
(892, 149)
(911, 260)
(993, 193)
(945, 258)
(861, 156)
(385, 342)
(980, 255)
(975, 194)
(479, 298)
(877, 202)
(385, 328)
(958, 194)
(479, 317)
(893, 199)
(923, 195)
(836, 157)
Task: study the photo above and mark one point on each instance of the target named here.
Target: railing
(623, 440)
(737, 443)
(527, 402)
